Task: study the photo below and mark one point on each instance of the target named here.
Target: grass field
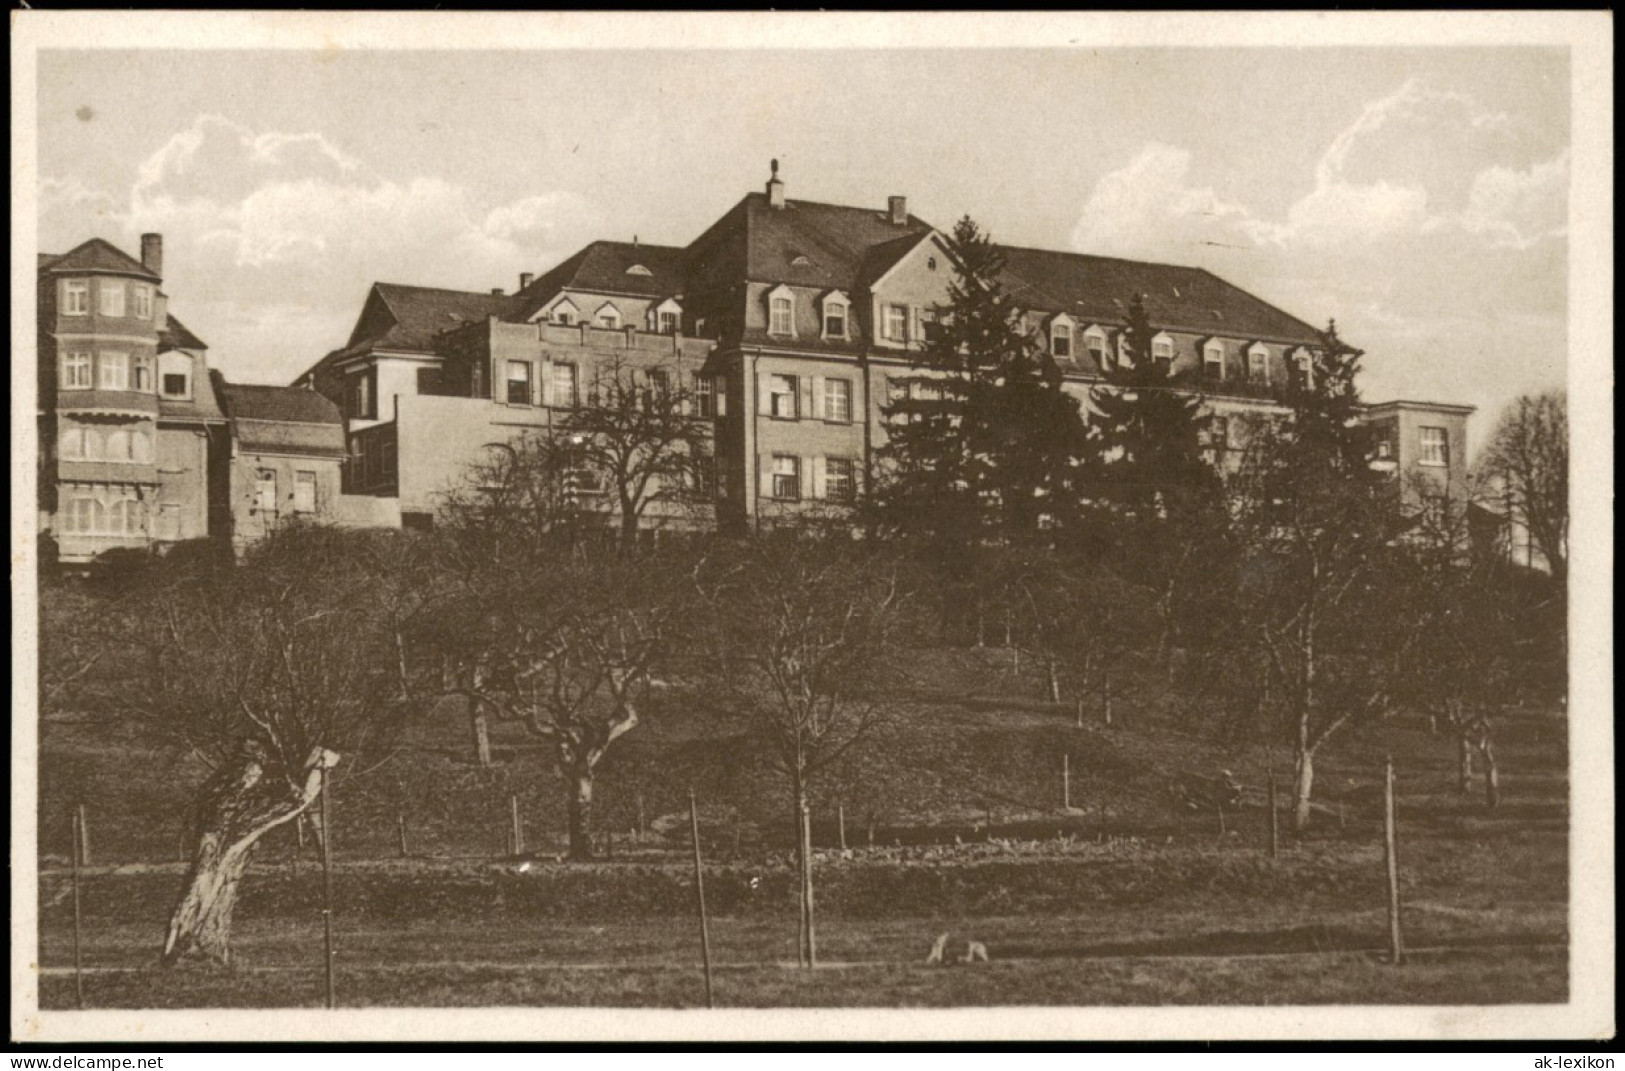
(1126, 898)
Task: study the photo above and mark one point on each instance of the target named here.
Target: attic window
(931, 263)
(801, 261)
(1217, 315)
(638, 269)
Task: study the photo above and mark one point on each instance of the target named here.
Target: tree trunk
(1464, 761)
(579, 806)
(1106, 695)
(482, 733)
(238, 805)
(807, 882)
(629, 524)
(1303, 786)
(1054, 682)
(400, 664)
(1492, 772)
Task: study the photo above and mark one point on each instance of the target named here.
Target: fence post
(400, 828)
(840, 823)
(642, 827)
(1275, 822)
(327, 886)
(1221, 818)
(518, 836)
(84, 838)
(806, 865)
(699, 895)
(871, 829)
(1396, 943)
(78, 964)
(1066, 782)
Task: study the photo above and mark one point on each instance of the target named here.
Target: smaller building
(287, 458)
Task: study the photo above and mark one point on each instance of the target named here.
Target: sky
(1417, 195)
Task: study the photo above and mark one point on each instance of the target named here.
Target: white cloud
(297, 227)
(1412, 234)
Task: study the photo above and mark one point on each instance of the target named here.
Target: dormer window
(896, 323)
(76, 297)
(563, 312)
(175, 381)
(781, 312)
(1162, 349)
(1305, 369)
(1213, 360)
(667, 317)
(836, 314)
(1060, 337)
(1258, 363)
(801, 260)
(638, 269)
(1094, 340)
(608, 316)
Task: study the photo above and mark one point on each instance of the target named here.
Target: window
(1435, 447)
(1385, 449)
(1095, 342)
(896, 324)
(840, 479)
(638, 269)
(1258, 364)
(669, 323)
(304, 492)
(563, 317)
(609, 316)
(265, 491)
(175, 387)
(786, 477)
(1303, 371)
(782, 391)
(112, 298)
(659, 382)
(518, 382)
(928, 319)
(1060, 340)
(113, 371)
(143, 372)
(835, 319)
(838, 400)
(118, 445)
(1213, 360)
(564, 385)
(70, 443)
(781, 321)
(128, 517)
(705, 399)
(76, 298)
(76, 371)
(84, 515)
(1162, 350)
(142, 299)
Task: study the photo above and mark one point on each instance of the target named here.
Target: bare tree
(639, 438)
(1528, 456)
(802, 630)
(272, 673)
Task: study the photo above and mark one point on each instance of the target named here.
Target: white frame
(72, 288)
(113, 301)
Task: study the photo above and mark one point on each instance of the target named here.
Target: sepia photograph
(539, 526)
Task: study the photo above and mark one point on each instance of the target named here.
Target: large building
(796, 323)
(141, 444)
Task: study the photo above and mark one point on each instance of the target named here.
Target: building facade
(797, 324)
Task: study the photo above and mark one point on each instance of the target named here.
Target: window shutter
(817, 409)
(806, 467)
(818, 481)
(719, 393)
(764, 394)
(804, 386)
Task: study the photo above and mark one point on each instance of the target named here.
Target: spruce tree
(985, 445)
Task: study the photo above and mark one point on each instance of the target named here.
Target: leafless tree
(272, 672)
(802, 630)
(1528, 457)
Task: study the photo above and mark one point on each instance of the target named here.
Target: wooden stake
(699, 895)
(840, 823)
(871, 829)
(400, 828)
(84, 838)
(1080, 711)
(1275, 822)
(642, 827)
(1396, 945)
(518, 832)
(78, 964)
(806, 871)
(1066, 782)
(327, 886)
(1221, 818)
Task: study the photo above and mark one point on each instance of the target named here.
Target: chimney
(152, 253)
(898, 207)
(775, 189)
(496, 291)
(525, 279)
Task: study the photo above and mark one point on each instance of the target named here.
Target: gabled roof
(885, 256)
(97, 255)
(806, 243)
(283, 420)
(45, 260)
(176, 336)
(419, 313)
(603, 267)
(1099, 289)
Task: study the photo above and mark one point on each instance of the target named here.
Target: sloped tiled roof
(810, 244)
(284, 420)
(45, 260)
(422, 312)
(176, 336)
(97, 255)
(1099, 289)
(602, 267)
